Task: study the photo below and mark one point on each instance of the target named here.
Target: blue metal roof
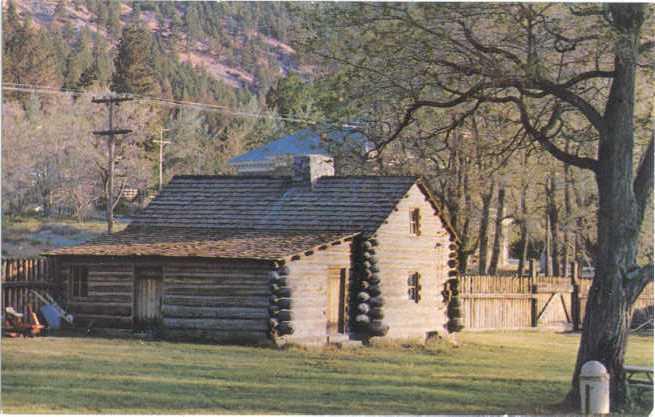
(304, 142)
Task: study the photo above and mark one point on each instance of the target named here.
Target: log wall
(401, 254)
(220, 300)
(110, 293)
(225, 301)
(308, 278)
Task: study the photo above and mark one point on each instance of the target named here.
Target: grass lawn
(512, 372)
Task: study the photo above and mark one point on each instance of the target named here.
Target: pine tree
(113, 18)
(28, 55)
(135, 15)
(133, 65)
(62, 51)
(99, 72)
(101, 13)
(80, 60)
(192, 20)
(10, 22)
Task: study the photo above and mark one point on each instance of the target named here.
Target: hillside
(216, 37)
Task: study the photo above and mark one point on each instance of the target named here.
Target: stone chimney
(307, 169)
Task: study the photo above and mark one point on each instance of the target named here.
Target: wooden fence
(20, 276)
(504, 302)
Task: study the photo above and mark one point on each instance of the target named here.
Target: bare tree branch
(635, 280)
(643, 182)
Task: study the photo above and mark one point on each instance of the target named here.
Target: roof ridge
(202, 177)
(135, 227)
(286, 177)
(367, 176)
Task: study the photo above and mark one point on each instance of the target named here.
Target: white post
(594, 388)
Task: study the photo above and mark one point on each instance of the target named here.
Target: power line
(38, 89)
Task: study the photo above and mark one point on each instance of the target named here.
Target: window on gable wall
(79, 281)
(415, 222)
(414, 287)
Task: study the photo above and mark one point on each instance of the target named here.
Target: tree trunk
(568, 211)
(498, 235)
(547, 247)
(622, 201)
(484, 229)
(553, 221)
(524, 230)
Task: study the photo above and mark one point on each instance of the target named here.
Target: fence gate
(553, 303)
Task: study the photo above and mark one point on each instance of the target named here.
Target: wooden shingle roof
(334, 204)
(202, 242)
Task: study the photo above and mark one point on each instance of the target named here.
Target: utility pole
(111, 147)
(161, 155)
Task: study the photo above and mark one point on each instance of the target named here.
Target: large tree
(134, 71)
(568, 71)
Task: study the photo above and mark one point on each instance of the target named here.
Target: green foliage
(80, 60)
(29, 56)
(134, 72)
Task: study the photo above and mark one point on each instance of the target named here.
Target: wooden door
(147, 297)
(336, 300)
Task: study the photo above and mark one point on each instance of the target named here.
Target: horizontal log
(281, 302)
(227, 268)
(378, 328)
(282, 292)
(375, 290)
(110, 289)
(285, 328)
(216, 324)
(173, 311)
(221, 301)
(284, 315)
(284, 270)
(118, 309)
(97, 321)
(214, 279)
(30, 284)
(107, 298)
(376, 301)
(281, 281)
(214, 291)
(363, 308)
(362, 319)
(363, 296)
(376, 313)
(105, 275)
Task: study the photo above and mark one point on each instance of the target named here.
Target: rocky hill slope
(241, 44)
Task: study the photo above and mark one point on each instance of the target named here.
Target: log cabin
(309, 258)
